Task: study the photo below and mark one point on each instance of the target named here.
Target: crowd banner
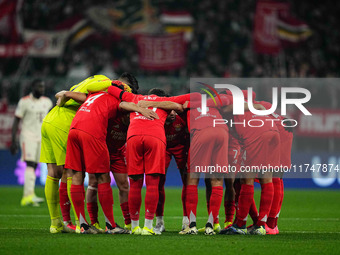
(161, 52)
(45, 43)
(323, 123)
(12, 50)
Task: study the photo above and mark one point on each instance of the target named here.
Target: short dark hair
(132, 81)
(158, 92)
(35, 82)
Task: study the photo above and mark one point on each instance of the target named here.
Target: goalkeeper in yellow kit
(54, 131)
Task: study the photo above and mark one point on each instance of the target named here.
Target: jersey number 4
(91, 99)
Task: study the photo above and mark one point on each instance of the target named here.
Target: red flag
(161, 52)
(266, 40)
(291, 30)
(9, 23)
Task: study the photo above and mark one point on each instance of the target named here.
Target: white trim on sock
(159, 219)
(134, 223)
(148, 223)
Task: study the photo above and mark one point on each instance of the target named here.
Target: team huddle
(101, 126)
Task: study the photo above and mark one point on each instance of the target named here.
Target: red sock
(106, 202)
(126, 213)
(244, 202)
(275, 209)
(92, 209)
(191, 202)
(215, 202)
(253, 211)
(161, 199)
(135, 198)
(78, 197)
(281, 200)
(237, 188)
(64, 202)
(184, 190)
(151, 195)
(229, 209)
(267, 193)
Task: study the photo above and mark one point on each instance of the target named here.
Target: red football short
(209, 150)
(180, 153)
(118, 161)
(264, 150)
(286, 139)
(145, 154)
(86, 153)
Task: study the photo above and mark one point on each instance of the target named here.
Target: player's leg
(29, 185)
(53, 151)
(214, 204)
(229, 201)
(208, 190)
(69, 184)
(123, 187)
(65, 203)
(119, 170)
(135, 167)
(280, 206)
(191, 203)
(270, 156)
(54, 174)
(151, 200)
(30, 153)
(286, 140)
(160, 205)
(184, 177)
(161, 200)
(275, 208)
(154, 162)
(78, 197)
(208, 187)
(244, 202)
(267, 193)
(106, 201)
(135, 201)
(92, 201)
(180, 153)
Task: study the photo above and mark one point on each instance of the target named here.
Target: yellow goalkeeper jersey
(61, 117)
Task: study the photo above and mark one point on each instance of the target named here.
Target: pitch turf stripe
(311, 219)
(177, 217)
(308, 232)
(282, 232)
(23, 215)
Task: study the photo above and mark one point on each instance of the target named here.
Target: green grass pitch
(309, 224)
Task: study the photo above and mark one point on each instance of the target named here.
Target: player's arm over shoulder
(132, 107)
(165, 105)
(63, 96)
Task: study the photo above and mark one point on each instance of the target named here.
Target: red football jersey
(116, 134)
(244, 126)
(139, 125)
(274, 115)
(176, 133)
(94, 114)
(197, 121)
